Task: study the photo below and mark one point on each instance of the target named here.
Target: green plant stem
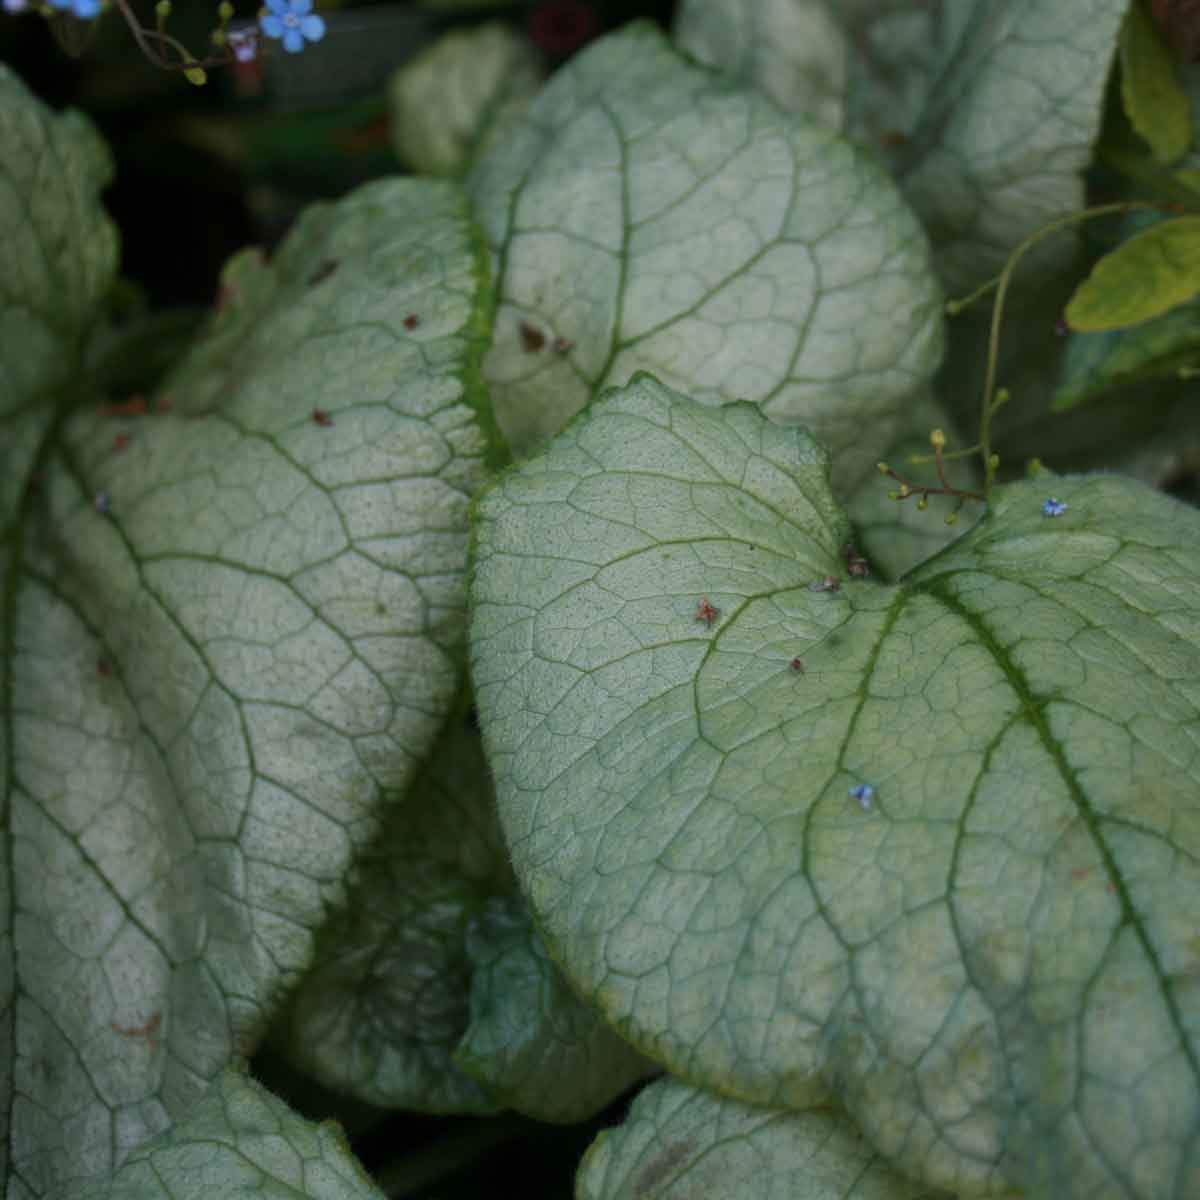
(989, 404)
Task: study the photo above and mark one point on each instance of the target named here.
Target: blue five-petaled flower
(85, 10)
(293, 23)
(1054, 508)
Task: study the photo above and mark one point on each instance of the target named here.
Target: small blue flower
(862, 792)
(85, 10)
(1054, 508)
(292, 22)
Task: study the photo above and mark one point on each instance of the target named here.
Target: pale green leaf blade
(1098, 362)
(1008, 127)
(233, 638)
(1151, 273)
(679, 1141)
(447, 102)
(531, 1040)
(238, 1140)
(645, 214)
(1155, 102)
(381, 1012)
(60, 259)
(793, 50)
(991, 956)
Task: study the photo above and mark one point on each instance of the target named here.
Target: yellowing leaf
(1155, 103)
(1143, 278)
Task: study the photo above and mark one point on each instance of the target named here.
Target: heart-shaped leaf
(930, 844)
(644, 214)
(234, 622)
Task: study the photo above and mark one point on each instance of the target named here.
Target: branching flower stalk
(290, 22)
(993, 400)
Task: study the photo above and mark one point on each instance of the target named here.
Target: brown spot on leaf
(532, 338)
(659, 1169)
(411, 321)
(563, 345)
(1080, 873)
(706, 613)
(135, 406)
(120, 442)
(321, 417)
(147, 1032)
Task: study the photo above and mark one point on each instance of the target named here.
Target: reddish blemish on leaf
(164, 404)
(856, 565)
(706, 613)
(411, 321)
(135, 406)
(532, 338)
(104, 667)
(797, 665)
(563, 345)
(321, 417)
(324, 271)
(893, 138)
(147, 1032)
(120, 442)
(1078, 873)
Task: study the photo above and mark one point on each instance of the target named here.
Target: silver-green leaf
(931, 845)
(679, 1142)
(233, 627)
(531, 1040)
(379, 1015)
(60, 259)
(238, 1140)
(646, 214)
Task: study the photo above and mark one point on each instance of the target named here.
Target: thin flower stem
(990, 402)
(143, 37)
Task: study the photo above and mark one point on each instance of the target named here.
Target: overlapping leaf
(990, 955)
(60, 260)
(531, 1040)
(234, 625)
(239, 1140)
(681, 1142)
(987, 109)
(448, 101)
(644, 214)
(792, 50)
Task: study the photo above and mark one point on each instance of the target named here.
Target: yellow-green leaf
(1143, 278)
(1155, 102)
